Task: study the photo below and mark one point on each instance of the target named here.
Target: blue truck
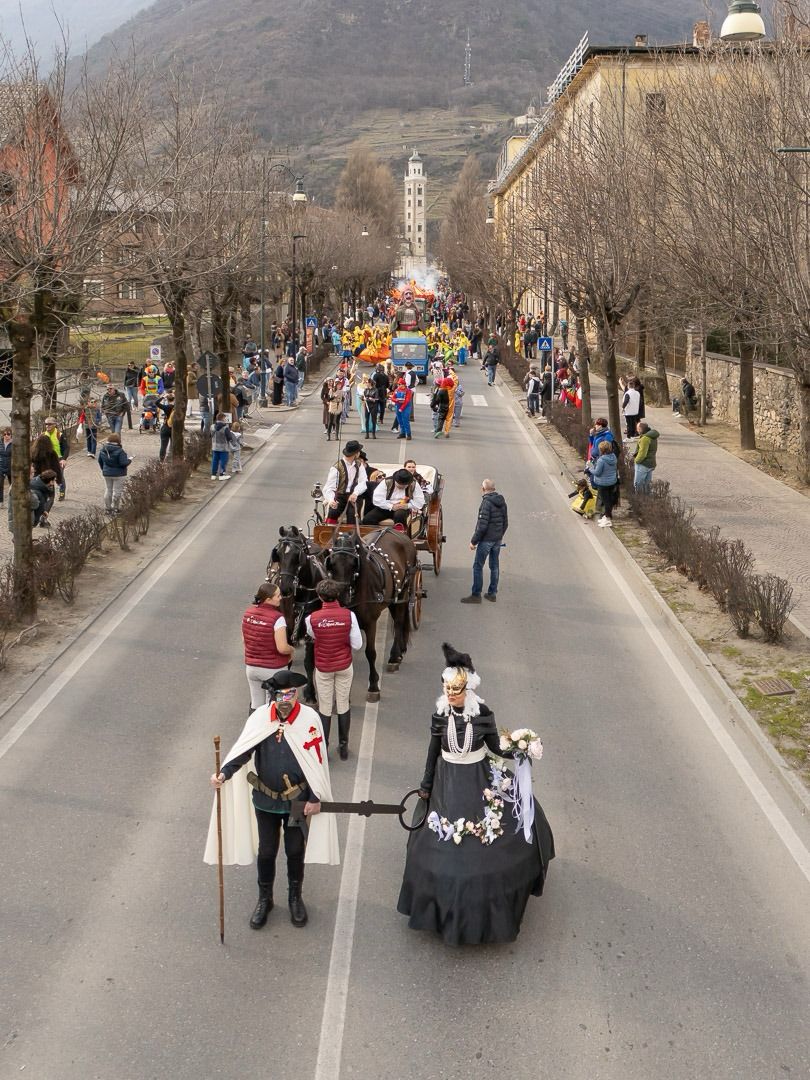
(410, 349)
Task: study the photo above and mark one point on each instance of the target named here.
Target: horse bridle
(301, 544)
(341, 546)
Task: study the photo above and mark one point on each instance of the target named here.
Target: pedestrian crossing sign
(545, 344)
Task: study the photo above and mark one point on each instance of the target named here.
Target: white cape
(240, 834)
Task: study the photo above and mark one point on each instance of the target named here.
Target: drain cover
(772, 686)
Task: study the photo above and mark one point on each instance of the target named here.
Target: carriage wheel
(415, 602)
(437, 551)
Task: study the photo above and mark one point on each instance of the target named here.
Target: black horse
(376, 572)
(296, 564)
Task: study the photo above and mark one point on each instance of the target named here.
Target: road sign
(207, 358)
(204, 390)
(155, 353)
(545, 344)
(311, 321)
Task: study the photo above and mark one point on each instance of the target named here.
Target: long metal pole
(293, 305)
(263, 263)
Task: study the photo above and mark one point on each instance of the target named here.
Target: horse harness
(378, 560)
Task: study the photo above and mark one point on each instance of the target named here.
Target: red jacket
(259, 635)
(331, 627)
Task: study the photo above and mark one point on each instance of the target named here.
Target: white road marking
(764, 800)
(61, 681)
(264, 433)
(480, 400)
(333, 1022)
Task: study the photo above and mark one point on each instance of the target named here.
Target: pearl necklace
(452, 737)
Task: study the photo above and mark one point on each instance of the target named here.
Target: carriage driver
(396, 497)
(347, 480)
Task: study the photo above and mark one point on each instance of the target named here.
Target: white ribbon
(523, 803)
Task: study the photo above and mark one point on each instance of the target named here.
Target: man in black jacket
(487, 541)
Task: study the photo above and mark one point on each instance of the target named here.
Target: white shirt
(355, 637)
(352, 468)
(416, 502)
(633, 402)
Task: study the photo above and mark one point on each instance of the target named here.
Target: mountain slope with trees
(309, 71)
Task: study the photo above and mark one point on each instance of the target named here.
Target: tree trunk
(641, 345)
(584, 362)
(48, 365)
(656, 387)
(747, 437)
(180, 376)
(803, 394)
(195, 333)
(22, 338)
(607, 348)
(219, 326)
(245, 316)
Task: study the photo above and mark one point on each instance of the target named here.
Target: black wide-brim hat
(402, 476)
(285, 680)
(352, 447)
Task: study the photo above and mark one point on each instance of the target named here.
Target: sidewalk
(85, 486)
(747, 504)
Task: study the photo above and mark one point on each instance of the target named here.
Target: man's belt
(291, 791)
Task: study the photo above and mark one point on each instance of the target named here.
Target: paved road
(673, 941)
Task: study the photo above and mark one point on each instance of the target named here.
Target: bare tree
(367, 191)
(60, 153)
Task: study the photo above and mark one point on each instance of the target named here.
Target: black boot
(344, 723)
(326, 724)
(263, 907)
(298, 912)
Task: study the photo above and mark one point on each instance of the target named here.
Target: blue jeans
(219, 462)
(291, 391)
(116, 423)
(642, 479)
(487, 549)
(90, 439)
(490, 375)
(132, 394)
(404, 421)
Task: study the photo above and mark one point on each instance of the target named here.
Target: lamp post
(743, 22)
(299, 198)
(296, 236)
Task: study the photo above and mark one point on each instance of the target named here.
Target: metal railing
(569, 69)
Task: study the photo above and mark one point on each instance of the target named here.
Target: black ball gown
(471, 893)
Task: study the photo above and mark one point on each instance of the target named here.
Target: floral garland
(488, 828)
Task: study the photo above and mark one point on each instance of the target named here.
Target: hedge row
(60, 555)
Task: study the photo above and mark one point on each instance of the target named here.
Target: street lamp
(364, 232)
(490, 216)
(299, 195)
(296, 236)
(743, 22)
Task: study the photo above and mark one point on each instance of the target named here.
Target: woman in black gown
(469, 872)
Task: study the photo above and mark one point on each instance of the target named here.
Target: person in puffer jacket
(222, 443)
(606, 481)
(487, 541)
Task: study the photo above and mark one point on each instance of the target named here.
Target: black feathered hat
(284, 680)
(460, 671)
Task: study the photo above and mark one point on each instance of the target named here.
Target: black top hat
(285, 680)
(352, 447)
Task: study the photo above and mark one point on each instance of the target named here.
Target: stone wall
(776, 403)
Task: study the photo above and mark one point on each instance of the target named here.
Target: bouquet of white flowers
(524, 743)
(525, 747)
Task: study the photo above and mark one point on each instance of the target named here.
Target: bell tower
(415, 264)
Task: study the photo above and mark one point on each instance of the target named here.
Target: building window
(129, 290)
(655, 110)
(418, 202)
(418, 228)
(409, 215)
(8, 189)
(92, 287)
(409, 202)
(419, 190)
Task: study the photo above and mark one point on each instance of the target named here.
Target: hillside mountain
(318, 75)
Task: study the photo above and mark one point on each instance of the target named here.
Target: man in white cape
(286, 742)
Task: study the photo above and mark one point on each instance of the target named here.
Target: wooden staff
(219, 848)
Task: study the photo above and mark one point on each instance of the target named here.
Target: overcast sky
(85, 20)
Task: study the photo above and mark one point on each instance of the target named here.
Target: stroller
(150, 418)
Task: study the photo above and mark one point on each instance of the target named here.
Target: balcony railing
(569, 69)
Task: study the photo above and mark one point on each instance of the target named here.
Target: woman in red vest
(264, 632)
(335, 631)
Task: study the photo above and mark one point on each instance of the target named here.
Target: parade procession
(404, 592)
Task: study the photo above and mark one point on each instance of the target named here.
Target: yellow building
(625, 76)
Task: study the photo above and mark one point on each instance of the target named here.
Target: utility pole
(468, 61)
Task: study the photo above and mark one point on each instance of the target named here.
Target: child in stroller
(150, 417)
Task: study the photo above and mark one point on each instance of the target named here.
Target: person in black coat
(486, 542)
(5, 460)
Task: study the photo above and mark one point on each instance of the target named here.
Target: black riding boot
(295, 877)
(326, 724)
(344, 723)
(263, 907)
